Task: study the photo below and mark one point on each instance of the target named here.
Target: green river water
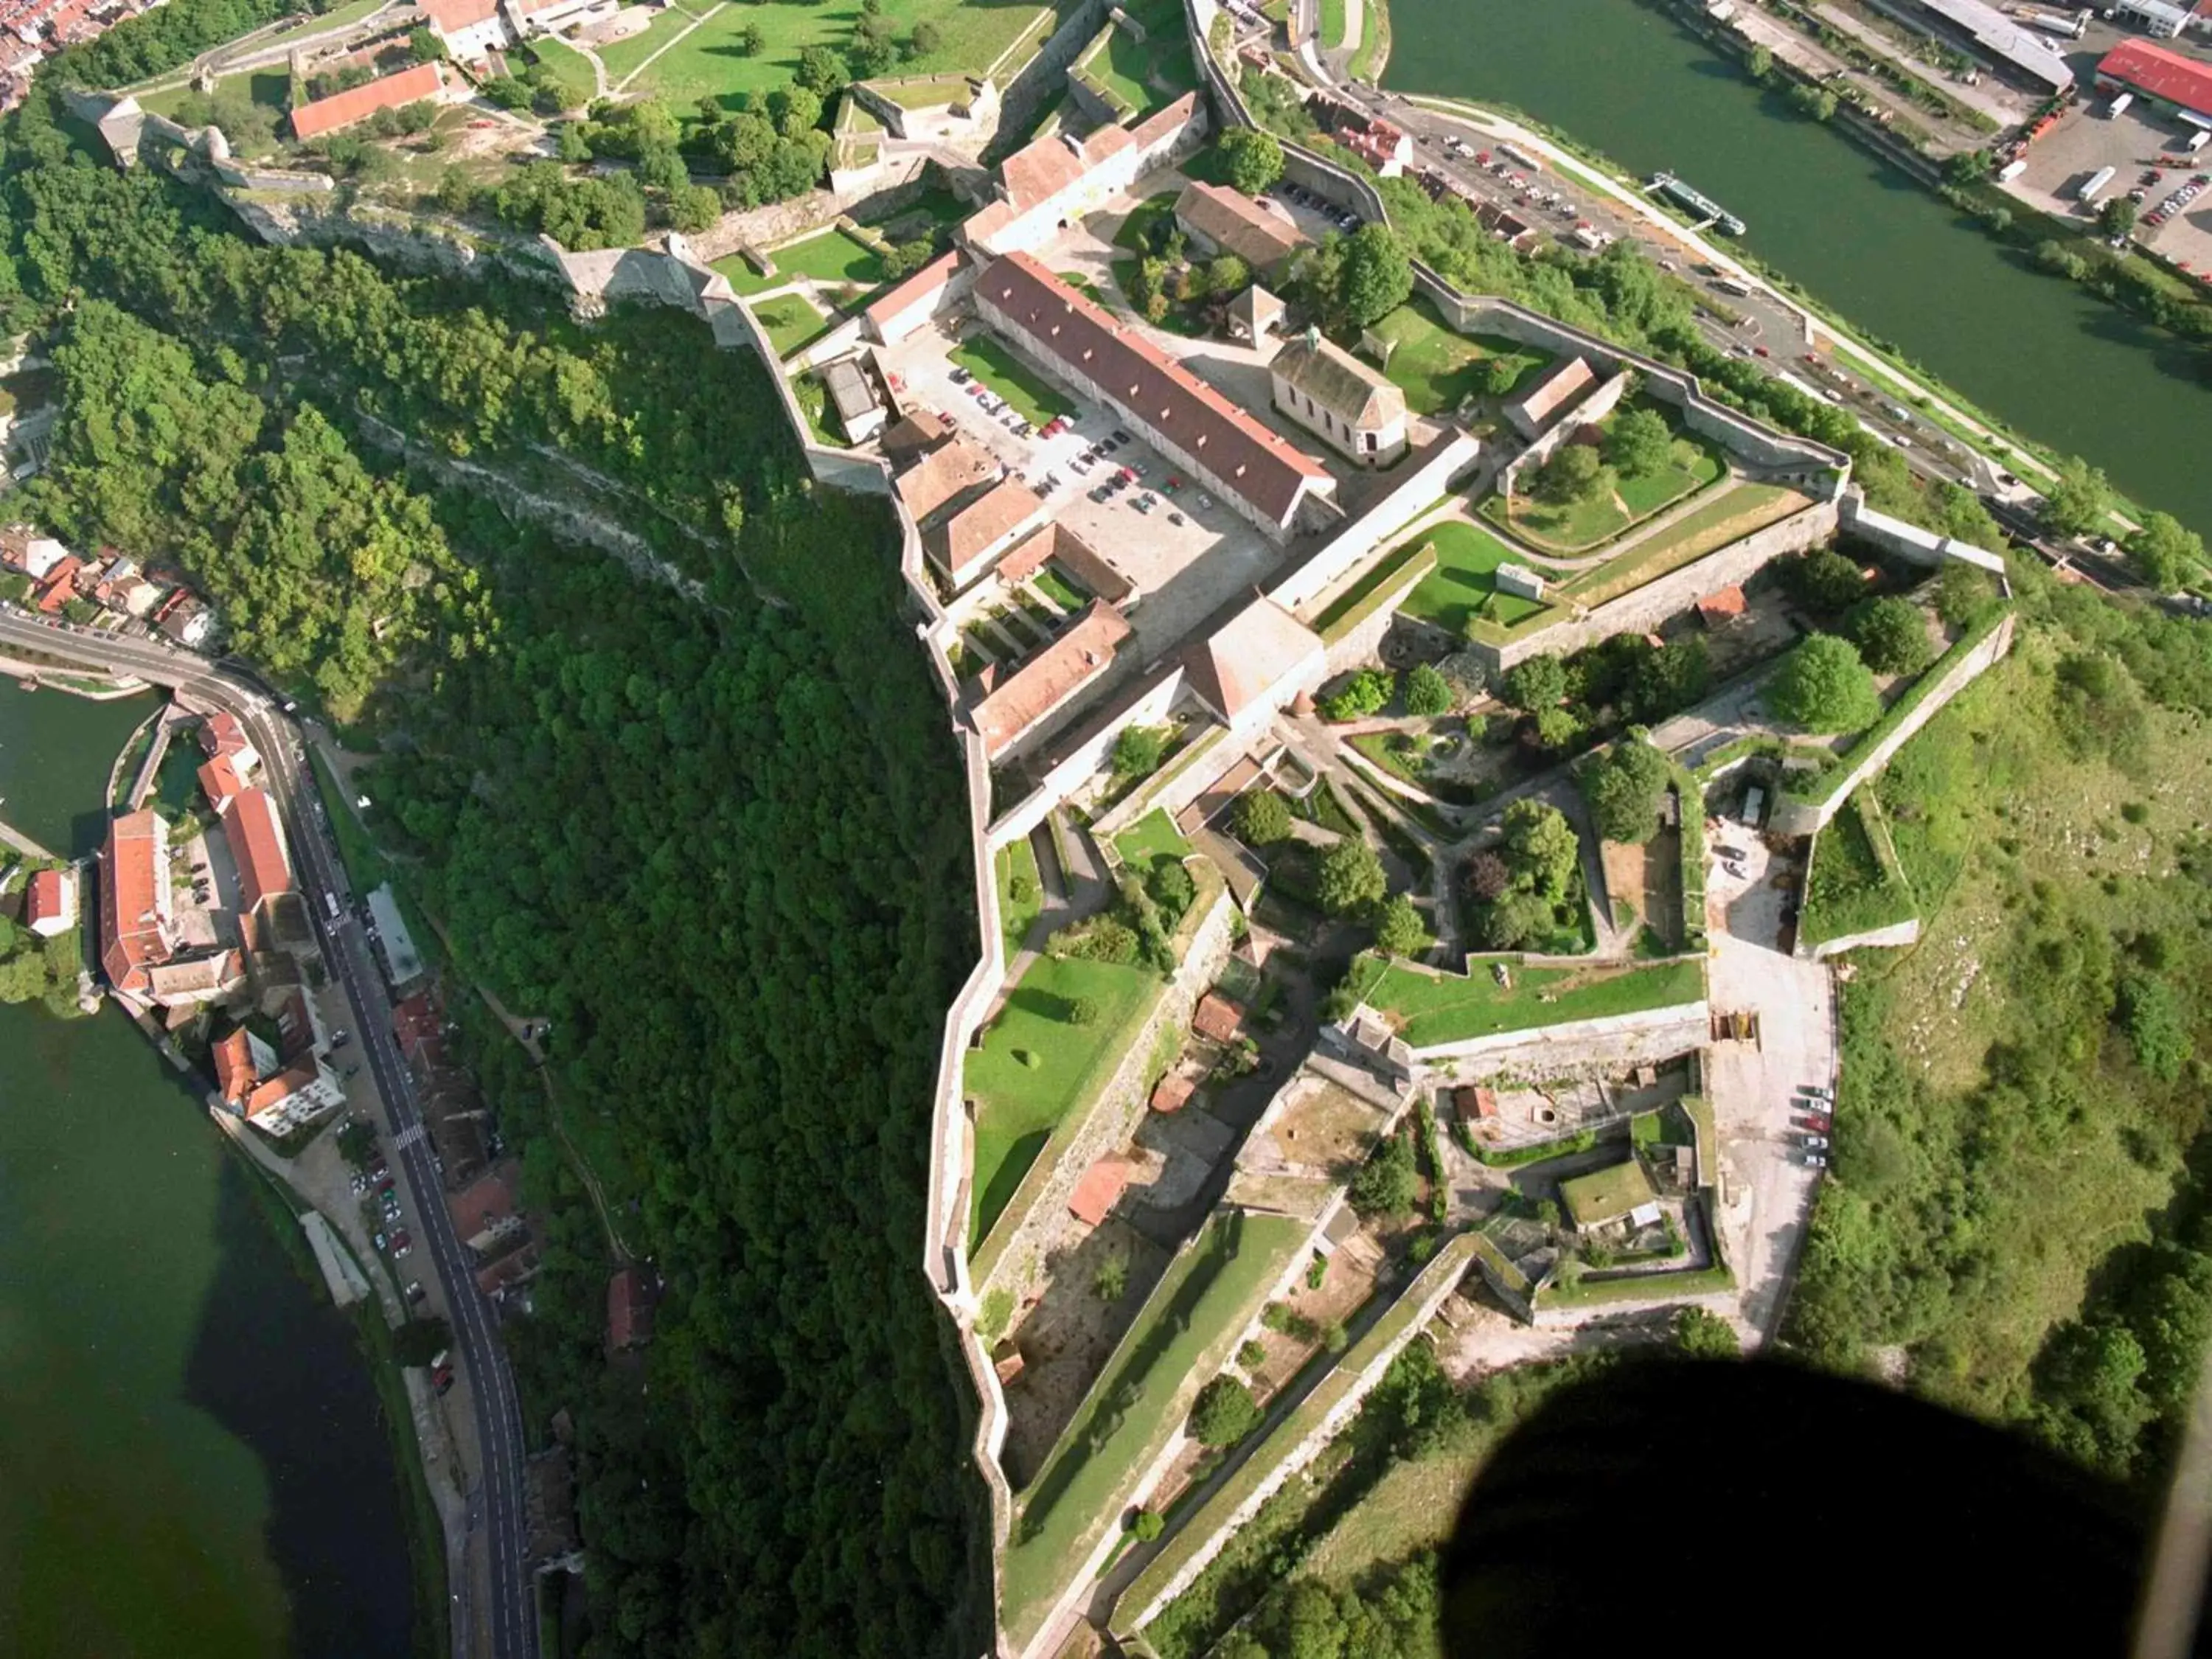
(1876, 247)
(191, 1461)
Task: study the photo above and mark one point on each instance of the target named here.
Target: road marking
(408, 1137)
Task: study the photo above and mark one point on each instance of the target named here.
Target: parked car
(962, 377)
(1811, 1160)
(1818, 1091)
(377, 1239)
(1817, 1143)
(415, 1290)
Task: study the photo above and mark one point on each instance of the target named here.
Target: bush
(1144, 1526)
(1172, 888)
(1252, 1354)
(1384, 1185)
(2157, 1029)
(991, 1318)
(1111, 1282)
(1223, 1413)
(1428, 694)
(1398, 929)
(1139, 750)
(1262, 817)
(1364, 694)
(1101, 938)
(1892, 635)
(1700, 1334)
(1083, 1010)
(1964, 595)
(1824, 686)
(1286, 1320)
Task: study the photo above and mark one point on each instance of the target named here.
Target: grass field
(1019, 1104)
(270, 87)
(1433, 1008)
(1580, 526)
(1015, 914)
(791, 320)
(830, 256)
(1851, 888)
(1413, 1507)
(1464, 584)
(1439, 369)
(744, 279)
(1179, 1341)
(1034, 399)
(1153, 839)
(1729, 517)
(1150, 73)
(707, 63)
(1333, 21)
(365, 866)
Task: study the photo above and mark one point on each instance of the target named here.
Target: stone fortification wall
(1013, 1258)
(1669, 595)
(1910, 542)
(1794, 816)
(1148, 706)
(1408, 499)
(1655, 1034)
(1044, 77)
(1363, 644)
(883, 189)
(1892, 938)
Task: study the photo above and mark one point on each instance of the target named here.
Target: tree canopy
(1824, 685)
(1254, 158)
(1626, 784)
(1892, 635)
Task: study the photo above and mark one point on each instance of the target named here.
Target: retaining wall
(1043, 77)
(1653, 1034)
(1910, 542)
(1365, 643)
(1410, 497)
(889, 185)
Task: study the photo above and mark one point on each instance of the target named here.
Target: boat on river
(1696, 201)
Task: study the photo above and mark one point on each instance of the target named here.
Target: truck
(2095, 182)
(2119, 107)
(1754, 804)
(2198, 140)
(1733, 285)
(1520, 158)
(2066, 25)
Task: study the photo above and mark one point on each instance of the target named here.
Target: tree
(1362, 695)
(1824, 685)
(927, 40)
(1892, 635)
(1350, 878)
(1262, 817)
(1576, 472)
(1227, 276)
(423, 46)
(2116, 217)
(1428, 694)
(1701, 1334)
(421, 1340)
(1535, 683)
(821, 70)
(1138, 751)
(1384, 1184)
(1375, 277)
(1558, 729)
(750, 41)
(1760, 63)
(1488, 878)
(1223, 1413)
(661, 167)
(1963, 592)
(1083, 1010)
(1626, 789)
(794, 109)
(1825, 582)
(1398, 929)
(2166, 552)
(2079, 501)
(1252, 157)
(694, 207)
(1541, 848)
(1640, 443)
(2157, 1027)
(1145, 1525)
(1668, 680)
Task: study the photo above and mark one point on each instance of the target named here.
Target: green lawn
(1333, 20)
(971, 34)
(623, 57)
(569, 67)
(1571, 527)
(270, 87)
(1463, 583)
(365, 866)
(1017, 1105)
(791, 320)
(1057, 587)
(1730, 516)
(1189, 1323)
(830, 256)
(1439, 369)
(1433, 1008)
(744, 279)
(1015, 914)
(1852, 887)
(1150, 74)
(1031, 396)
(1152, 840)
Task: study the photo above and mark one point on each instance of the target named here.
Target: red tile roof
(943, 475)
(1050, 677)
(971, 530)
(1217, 1018)
(220, 782)
(630, 1310)
(268, 1095)
(1101, 1186)
(256, 846)
(1250, 656)
(1156, 392)
(450, 17)
(1721, 606)
(134, 930)
(1174, 1093)
(2161, 72)
(49, 898)
(927, 281)
(359, 103)
(1562, 383)
(61, 585)
(224, 734)
(233, 1066)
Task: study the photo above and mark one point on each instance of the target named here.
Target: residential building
(1382, 146)
(49, 907)
(187, 982)
(137, 912)
(1278, 488)
(859, 411)
(257, 846)
(968, 539)
(468, 29)
(907, 438)
(1217, 1018)
(59, 587)
(222, 735)
(1260, 659)
(1218, 220)
(293, 1097)
(1325, 389)
(184, 618)
(356, 104)
(530, 17)
(1100, 1188)
(944, 475)
(1174, 1092)
(1555, 392)
(220, 783)
(1018, 712)
(1718, 609)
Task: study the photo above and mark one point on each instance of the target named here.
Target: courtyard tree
(1496, 376)
(1428, 694)
(1541, 848)
(1487, 878)
(1892, 635)
(1254, 158)
(1535, 683)
(2166, 552)
(1138, 751)
(1398, 929)
(1262, 817)
(1350, 878)
(1384, 1185)
(1227, 276)
(1826, 581)
(1824, 685)
(1223, 1413)
(1576, 472)
(1626, 788)
(1373, 276)
(1639, 443)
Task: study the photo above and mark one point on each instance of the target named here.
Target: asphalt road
(496, 1508)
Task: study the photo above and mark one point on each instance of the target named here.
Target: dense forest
(715, 834)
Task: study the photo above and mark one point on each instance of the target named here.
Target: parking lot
(2151, 162)
(1186, 552)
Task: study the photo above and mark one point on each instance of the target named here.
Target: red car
(1819, 1125)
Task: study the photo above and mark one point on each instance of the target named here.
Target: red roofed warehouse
(1266, 479)
(256, 844)
(358, 103)
(2160, 74)
(137, 927)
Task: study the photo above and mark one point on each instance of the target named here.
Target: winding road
(507, 1628)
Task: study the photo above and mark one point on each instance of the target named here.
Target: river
(2062, 365)
(194, 1463)
(56, 751)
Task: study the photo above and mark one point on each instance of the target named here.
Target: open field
(1153, 839)
(791, 320)
(1035, 1066)
(1193, 1318)
(1851, 888)
(1576, 527)
(1150, 74)
(744, 279)
(1439, 369)
(1016, 862)
(1431, 1008)
(708, 63)
(1463, 585)
(830, 256)
(1413, 1507)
